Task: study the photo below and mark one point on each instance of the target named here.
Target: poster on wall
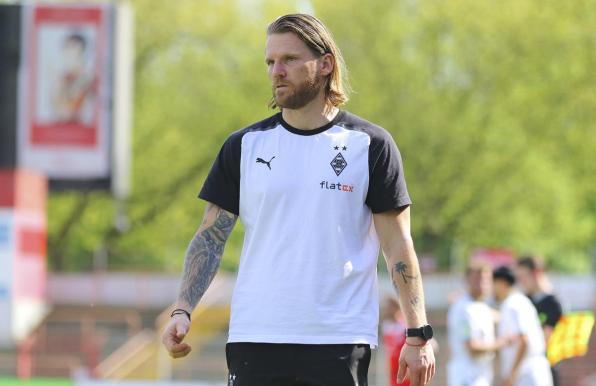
(65, 113)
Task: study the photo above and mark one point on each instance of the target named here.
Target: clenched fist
(174, 334)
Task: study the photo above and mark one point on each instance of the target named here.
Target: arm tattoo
(203, 257)
(415, 301)
(400, 268)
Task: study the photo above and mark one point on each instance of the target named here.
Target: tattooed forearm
(203, 257)
(400, 269)
(415, 301)
(408, 285)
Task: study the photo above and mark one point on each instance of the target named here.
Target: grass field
(95, 382)
(35, 382)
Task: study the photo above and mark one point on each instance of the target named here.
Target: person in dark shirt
(532, 278)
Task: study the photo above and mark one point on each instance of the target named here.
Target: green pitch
(35, 382)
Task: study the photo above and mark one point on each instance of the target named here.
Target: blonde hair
(318, 39)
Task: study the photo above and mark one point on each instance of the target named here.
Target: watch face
(427, 332)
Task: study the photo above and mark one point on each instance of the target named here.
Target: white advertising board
(6, 276)
(65, 90)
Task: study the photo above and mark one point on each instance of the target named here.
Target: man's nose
(278, 70)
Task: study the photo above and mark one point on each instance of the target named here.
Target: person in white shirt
(523, 363)
(470, 327)
(319, 192)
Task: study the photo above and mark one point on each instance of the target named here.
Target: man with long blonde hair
(319, 191)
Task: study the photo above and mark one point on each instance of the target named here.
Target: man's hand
(174, 333)
(507, 340)
(417, 363)
(508, 382)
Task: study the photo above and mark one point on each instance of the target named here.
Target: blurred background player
(394, 337)
(524, 362)
(535, 284)
(471, 331)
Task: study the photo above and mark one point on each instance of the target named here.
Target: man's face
(294, 71)
(526, 279)
(479, 282)
(73, 54)
(500, 288)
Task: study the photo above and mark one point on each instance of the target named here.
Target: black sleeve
(550, 310)
(387, 185)
(222, 186)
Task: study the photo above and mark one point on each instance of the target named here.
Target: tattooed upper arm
(218, 217)
(393, 229)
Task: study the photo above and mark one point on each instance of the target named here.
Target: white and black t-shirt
(307, 270)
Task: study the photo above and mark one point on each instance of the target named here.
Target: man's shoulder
(548, 301)
(460, 306)
(352, 121)
(461, 301)
(510, 302)
(262, 125)
(475, 308)
(521, 303)
(549, 298)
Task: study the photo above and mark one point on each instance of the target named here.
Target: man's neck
(310, 117)
(533, 292)
(539, 289)
(506, 294)
(476, 296)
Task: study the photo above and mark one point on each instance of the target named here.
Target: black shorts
(268, 364)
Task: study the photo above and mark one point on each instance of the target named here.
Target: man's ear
(327, 64)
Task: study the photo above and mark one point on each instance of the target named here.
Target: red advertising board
(495, 257)
(22, 253)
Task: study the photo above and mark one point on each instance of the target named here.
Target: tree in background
(491, 105)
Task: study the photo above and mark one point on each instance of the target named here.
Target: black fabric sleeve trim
(387, 188)
(222, 186)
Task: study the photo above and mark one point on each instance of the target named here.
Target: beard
(296, 97)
